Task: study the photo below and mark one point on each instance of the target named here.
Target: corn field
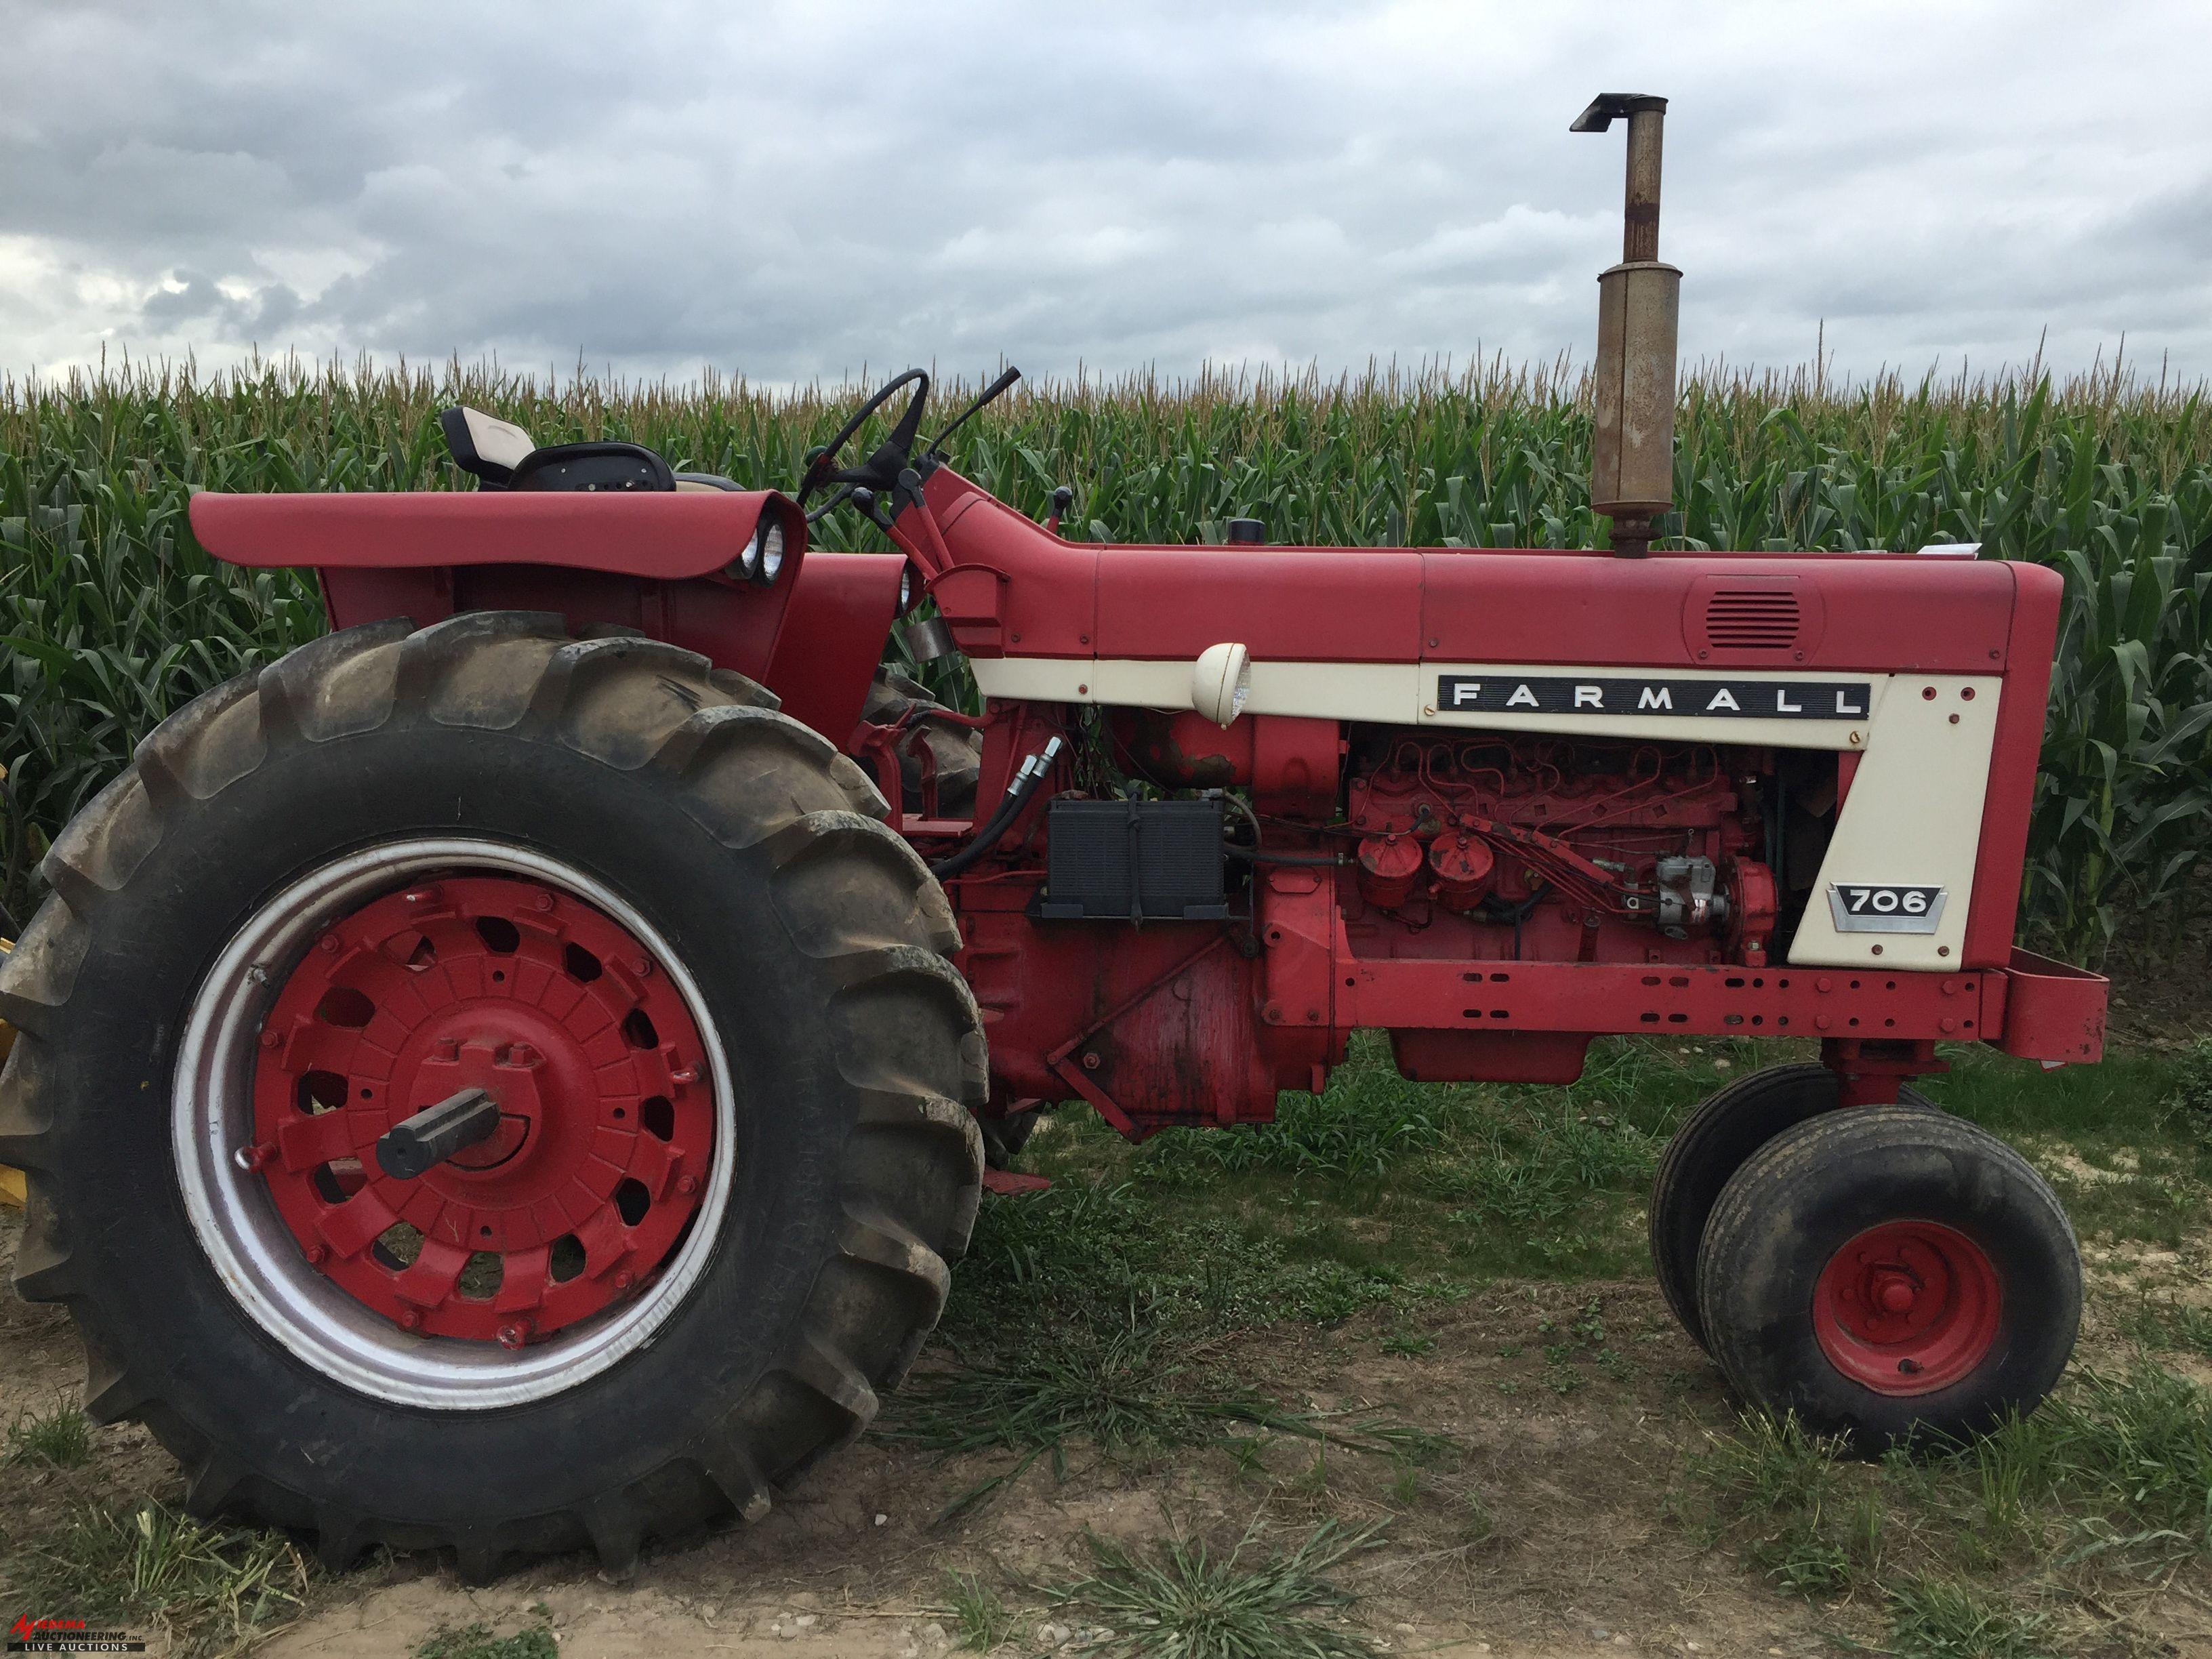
(111, 616)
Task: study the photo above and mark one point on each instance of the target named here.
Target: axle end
(433, 1134)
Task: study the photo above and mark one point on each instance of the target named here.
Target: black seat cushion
(600, 464)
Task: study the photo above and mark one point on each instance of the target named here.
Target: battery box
(1133, 860)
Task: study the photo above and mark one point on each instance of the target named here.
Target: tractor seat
(501, 456)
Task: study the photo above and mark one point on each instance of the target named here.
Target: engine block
(1558, 849)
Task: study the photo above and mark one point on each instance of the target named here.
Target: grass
(1183, 1601)
(978, 1612)
(111, 615)
(2167, 1326)
(1382, 1193)
(59, 1439)
(1090, 1315)
(1106, 1312)
(1937, 1619)
(2127, 1143)
(206, 1590)
(478, 1640)
(1140, 1390)
(2015, 1543)
(1102, 1312)
(1378, 1193)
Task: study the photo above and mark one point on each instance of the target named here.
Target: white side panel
(1913, 818)
(1388, 692)
(1404, 694)
(1118, 682)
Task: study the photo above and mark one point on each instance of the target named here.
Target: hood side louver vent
(1745, 619)
(1748, 619)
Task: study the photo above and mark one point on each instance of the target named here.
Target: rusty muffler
(1639, 303)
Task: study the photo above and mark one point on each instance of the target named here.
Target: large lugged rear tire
(744, 1093)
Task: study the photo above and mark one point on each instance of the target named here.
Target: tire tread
(748, 773)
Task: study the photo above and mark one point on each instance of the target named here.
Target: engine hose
(1494, 910)
(1026, 781)
(1253, 855)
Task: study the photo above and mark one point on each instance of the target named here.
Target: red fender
(667, 537)
(653, 562)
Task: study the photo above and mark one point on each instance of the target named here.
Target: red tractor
(517, 1072)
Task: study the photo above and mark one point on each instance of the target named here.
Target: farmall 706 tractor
(517, 1072)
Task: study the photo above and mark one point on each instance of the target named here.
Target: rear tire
(1711, 1145)
(631, 779)
(952, 754)
(1888, 1274)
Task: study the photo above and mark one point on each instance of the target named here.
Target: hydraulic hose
(1026, 779)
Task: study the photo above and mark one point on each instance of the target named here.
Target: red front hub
(1908, 1307)
(606, 1117)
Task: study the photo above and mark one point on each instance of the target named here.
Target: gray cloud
(789, 190)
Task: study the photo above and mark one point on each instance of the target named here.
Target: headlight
(766, 555)
(910, 588)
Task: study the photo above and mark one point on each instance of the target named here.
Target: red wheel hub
(1908, 1307)
(606, 1116)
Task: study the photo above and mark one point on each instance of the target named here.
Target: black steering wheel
(880, 471)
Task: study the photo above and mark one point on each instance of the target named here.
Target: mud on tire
(816, 940)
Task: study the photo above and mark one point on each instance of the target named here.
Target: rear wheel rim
(1908, 1308)
(601, 1196)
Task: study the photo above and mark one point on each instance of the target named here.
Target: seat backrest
(503, 456)
(484, 444)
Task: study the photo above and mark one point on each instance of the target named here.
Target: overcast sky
(789, 192)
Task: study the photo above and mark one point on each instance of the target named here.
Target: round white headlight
(910, 589)
(769, 551)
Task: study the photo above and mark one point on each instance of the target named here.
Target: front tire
(234, 902)
(1713, 1143)
(1888, 1274)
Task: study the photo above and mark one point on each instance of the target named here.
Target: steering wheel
(880, 471)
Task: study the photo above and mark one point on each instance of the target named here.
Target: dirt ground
(1550, 1538)
(1556, 1528)
(1553, 1532)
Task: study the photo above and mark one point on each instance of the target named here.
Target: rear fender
(659, 564)
(666, 536)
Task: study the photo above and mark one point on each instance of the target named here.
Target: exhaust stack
(1638, 303)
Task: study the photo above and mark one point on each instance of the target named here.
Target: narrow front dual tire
(1713, 1143)
(1889, 1275)
(658, 921)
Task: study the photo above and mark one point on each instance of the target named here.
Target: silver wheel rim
(255, 1254)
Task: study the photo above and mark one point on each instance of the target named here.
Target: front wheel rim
(1908, 1308)
(634, 1174)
